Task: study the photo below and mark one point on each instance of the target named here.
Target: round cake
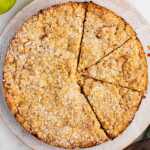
(74, 75)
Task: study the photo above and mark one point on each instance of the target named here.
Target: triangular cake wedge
(126, 66)
(103, 32)
(114, 106)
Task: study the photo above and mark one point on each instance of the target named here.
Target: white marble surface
(7, 140)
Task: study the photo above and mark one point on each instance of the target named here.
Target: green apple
(5, 5)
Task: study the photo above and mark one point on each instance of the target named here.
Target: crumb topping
(44, 77)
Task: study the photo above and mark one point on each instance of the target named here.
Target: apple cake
(74, 75)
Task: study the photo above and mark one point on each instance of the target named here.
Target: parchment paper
(142, 117)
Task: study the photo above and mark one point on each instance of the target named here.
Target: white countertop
(7, 140)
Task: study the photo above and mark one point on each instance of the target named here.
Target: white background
(7, 140)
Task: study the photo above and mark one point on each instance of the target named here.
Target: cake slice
(126, 66)
(103, 32)
(114, 106)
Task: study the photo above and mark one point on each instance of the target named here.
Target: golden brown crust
(41, 78)
(104, 31)
(125, 66)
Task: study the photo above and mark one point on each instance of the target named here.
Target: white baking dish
(141, 120)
